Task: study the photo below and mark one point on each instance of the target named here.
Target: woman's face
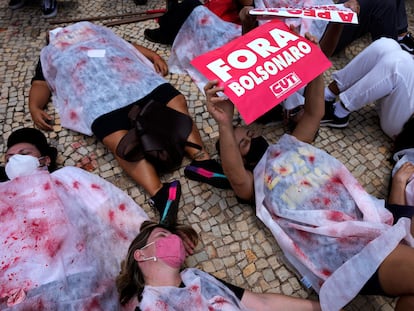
(23, 149)
(243, 139)
(157, 233)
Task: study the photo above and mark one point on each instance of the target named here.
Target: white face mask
(21, 165)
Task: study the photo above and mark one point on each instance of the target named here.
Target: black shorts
(118, 119)
(373, 286)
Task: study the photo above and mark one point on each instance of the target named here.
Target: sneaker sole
(169, 216)
(334, 125)
(217, 182)
(407, 48)
(16, 6)
(50, 15)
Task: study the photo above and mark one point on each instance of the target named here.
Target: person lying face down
(152, 272)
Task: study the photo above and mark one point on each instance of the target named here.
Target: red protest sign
(262, 68)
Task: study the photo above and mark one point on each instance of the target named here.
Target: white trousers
(382, 73)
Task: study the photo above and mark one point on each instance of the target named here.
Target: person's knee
(399, 63)
(383, 46)
(179, 103)
(112, 140)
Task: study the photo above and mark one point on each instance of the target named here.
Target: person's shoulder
(3, 175)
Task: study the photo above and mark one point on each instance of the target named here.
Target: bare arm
(308, 125)
(160, 65)
(221, 110)
(398, 184)
(263, 302)
(39, 95)
(330, 38)
(314, 107)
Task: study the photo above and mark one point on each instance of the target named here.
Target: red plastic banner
(262, 68)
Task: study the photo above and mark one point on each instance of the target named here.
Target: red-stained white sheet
(63, 236)
(332, 231)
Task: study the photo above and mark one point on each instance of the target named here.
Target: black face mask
(258, 147)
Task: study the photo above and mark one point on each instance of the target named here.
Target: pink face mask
(169, 249)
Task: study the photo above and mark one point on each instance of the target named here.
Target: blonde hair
(130, 281)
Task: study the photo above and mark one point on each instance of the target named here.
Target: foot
(16, 4)
(49, 8)
(330, 119)
(407, 43)
(209, 172)
(166, 201)
(155, 35)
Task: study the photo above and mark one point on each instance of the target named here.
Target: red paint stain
(111, 215)
(326, 272)
(311, 159)
(204, 21)
(298, 251)
(7, 212)
(46, 186)
(275, 154)
(76, 184)
(58, 183)
(94, 304)
(326, 201)
(194, 288)
(73, 115)
(161, 305)
(95, 186)
(122, 207)
(305, 183)
(335, 216)
(336, 179)
(282, 170)
(52, 247)
(80, 246)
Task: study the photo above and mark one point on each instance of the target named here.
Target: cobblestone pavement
(235, 245)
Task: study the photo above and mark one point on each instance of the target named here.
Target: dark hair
(37, 139)
(405, 139)
(130, 281)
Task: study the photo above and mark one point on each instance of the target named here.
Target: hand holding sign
(340, 13)
(220, 108)
(263, 67)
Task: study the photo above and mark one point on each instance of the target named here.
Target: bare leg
(142, 172)
(396, 275)
(330, 38)
(333, 87)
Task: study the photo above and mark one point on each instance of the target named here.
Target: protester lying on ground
(62, 232)
(96, 79)
(212, 32)
(353, 87)
(338, 237)
(152, 272)
(178, 11)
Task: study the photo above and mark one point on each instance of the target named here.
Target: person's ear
(138, 255)
(47, 160)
